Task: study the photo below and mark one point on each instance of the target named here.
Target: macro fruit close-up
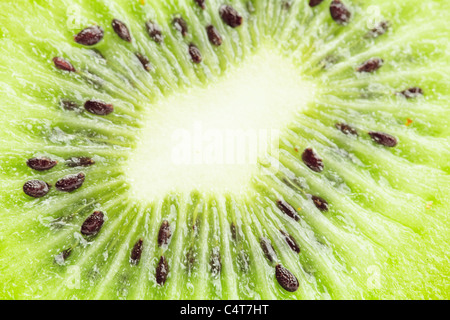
(224, 149)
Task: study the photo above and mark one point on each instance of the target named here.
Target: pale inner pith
(209, 138)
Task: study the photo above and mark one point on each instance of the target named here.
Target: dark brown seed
(180, 25)
(164, 233)
(412, 92)
(286, 5)
(345, 128)
(286, 279)
(69, 105)
(313, 3)
(79, 162)
(92, 225)
(233, 231)
(154, 31)
(290, 241)
(98, 107)
(268, 250)
(379, 30)
(70, 182)
(215, 262)
(384, 139)
(121, 29)
(196, 226)
(320, 203)
(62, 256)
(136, 252)
(195, 53)
(213, 35)
(66, 253)
(287, 209)
(41, 163)
(144, 61)
(89, 36)
(230, 16)
(371, 65)
(63, 64)
(312, 160)
(201, 3)
(339, 12)
(36, 188)
(162, 270)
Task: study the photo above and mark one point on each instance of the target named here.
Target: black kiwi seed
(230, 16)
(69, 105)
(62, 256)
(268, 250)
(313, 3)
(286, 5)
(233, 231)
(41, 163)
(412, 92)
(287, 209)
(92, 225)
(89, 36)
(379, 30)
(320, 203)
(213, 35)
(36, 188)
(144, 61)
(164, 233)
(201, 3)
(384, 139)
(180, 25)
(290, 241)
(63, 64)
(136, 253)
(70, 182)
(215, 262)
(286, 279)
(154, 31)
(195, 226)
(312, 160)
(98, 107)
(79, 162)
(371, 65)
(339, 12)
(345, 128)
(195, 53)
(121, 29)
(162, 270)
(66, 253)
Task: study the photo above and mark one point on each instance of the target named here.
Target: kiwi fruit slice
(224, 149)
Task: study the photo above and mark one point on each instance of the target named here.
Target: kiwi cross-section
(224, 149)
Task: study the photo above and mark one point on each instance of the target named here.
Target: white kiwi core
(210, 138)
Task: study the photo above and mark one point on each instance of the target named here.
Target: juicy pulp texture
(346, 133)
